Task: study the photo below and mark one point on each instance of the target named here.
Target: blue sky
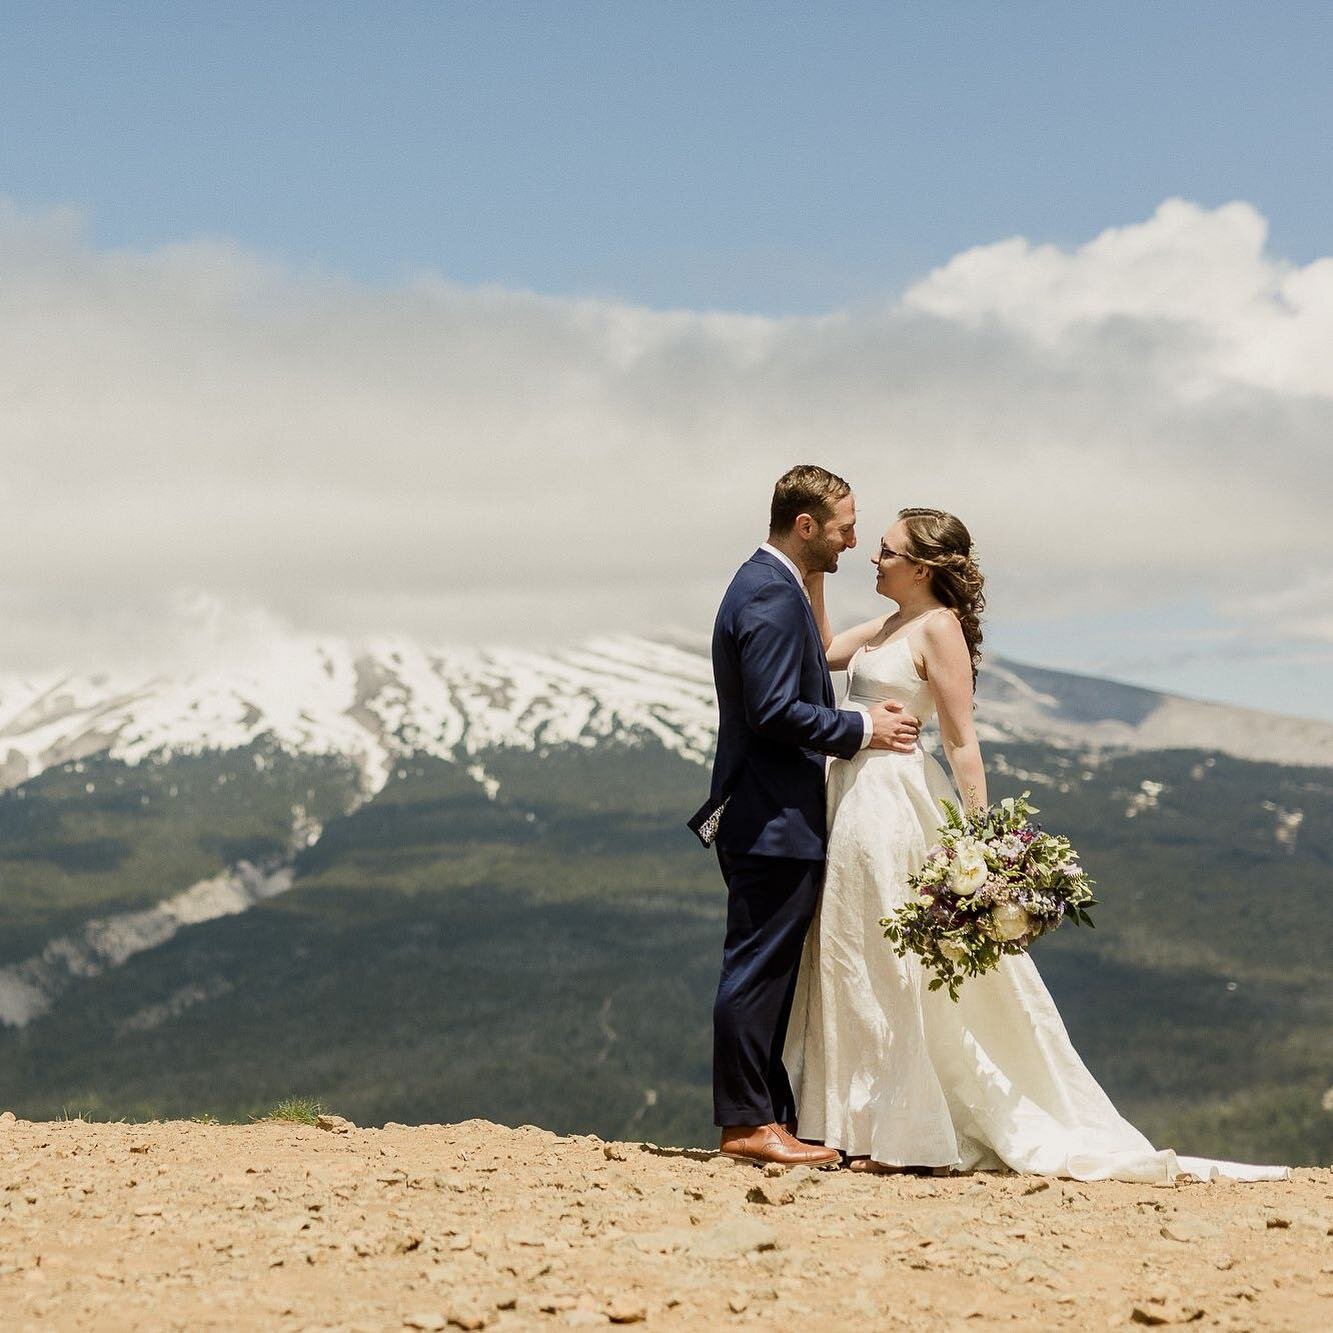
(519, 180)
(756, 156)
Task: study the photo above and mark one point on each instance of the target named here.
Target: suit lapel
(830, 698)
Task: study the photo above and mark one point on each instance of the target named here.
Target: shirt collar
(786, 560)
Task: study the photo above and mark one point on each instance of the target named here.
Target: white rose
(953, 952)
(968, 873)
(1008, 921)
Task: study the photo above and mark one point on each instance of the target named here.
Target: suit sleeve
(770, 646)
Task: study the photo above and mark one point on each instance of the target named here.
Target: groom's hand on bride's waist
(893, 729)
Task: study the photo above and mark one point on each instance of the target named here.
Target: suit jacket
(776, 716)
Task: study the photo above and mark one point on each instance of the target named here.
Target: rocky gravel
(178, 1225)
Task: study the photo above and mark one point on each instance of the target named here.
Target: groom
(777, 720)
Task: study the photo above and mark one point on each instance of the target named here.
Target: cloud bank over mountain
(203, 445)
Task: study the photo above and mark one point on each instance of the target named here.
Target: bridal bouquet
(992, 883)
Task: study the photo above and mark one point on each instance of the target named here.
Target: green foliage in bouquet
(990, 885)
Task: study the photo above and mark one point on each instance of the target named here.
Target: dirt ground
(190, 1226)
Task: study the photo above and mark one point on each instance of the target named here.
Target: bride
(892, 1073)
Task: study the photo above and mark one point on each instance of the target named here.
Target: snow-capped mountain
(256, 876)
(392, 698)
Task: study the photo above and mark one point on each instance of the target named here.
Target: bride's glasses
(888, 553)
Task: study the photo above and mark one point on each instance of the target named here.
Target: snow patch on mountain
(391, 698)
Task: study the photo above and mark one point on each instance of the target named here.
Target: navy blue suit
(776, 721)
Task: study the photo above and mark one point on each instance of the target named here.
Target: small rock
(431, 1321)
(1278, 1223)
(468, 1316)
(615, 1152)
(626, 1311)
(139, 1147)
(7, 1117)
(738, 1305)
(667, 1241)
(1037, 1186)
(1156, 1312)
(335, 1124)
(731, 1239)
(775, 1169)
(530, 1239)
(787, 1184)
(1185, 1229)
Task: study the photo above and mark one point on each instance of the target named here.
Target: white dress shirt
(800, 583)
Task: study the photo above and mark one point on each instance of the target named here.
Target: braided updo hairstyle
(941, 542)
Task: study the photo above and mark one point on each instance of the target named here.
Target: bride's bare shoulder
(942, 629)
(943, 644)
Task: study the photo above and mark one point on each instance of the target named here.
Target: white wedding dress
(885, 1068)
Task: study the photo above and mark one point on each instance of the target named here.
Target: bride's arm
(814, 590)
(949, 671)
(838, 648)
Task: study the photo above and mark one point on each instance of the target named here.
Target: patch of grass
(295, 1111)
(205, 1118)
(89, 1117)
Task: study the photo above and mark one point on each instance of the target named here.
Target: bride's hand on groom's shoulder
(892, 728)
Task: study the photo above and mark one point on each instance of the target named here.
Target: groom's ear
(805, 527)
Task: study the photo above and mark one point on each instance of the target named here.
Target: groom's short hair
(804, 489)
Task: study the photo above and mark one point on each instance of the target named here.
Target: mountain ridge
(395, 698)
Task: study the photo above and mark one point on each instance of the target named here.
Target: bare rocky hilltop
(179, 1225)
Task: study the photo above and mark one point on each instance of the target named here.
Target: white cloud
(1241, 317)
(1142, 419)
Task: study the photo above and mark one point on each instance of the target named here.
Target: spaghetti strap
(921, 620)
(904, 635)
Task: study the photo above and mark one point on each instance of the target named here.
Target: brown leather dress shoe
(767, 1143)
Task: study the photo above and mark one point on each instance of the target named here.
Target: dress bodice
(889, 672)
